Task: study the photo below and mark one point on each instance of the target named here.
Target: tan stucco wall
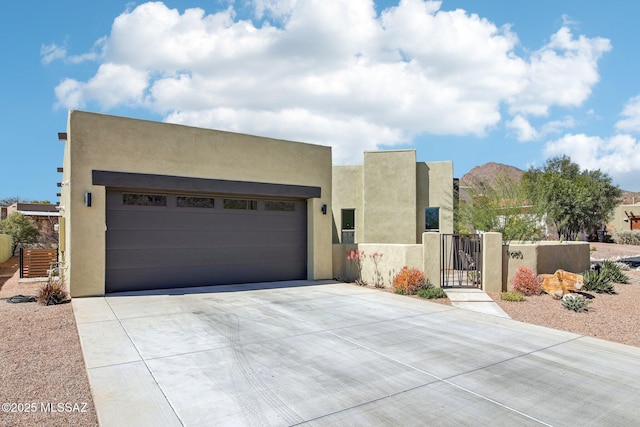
(389, 196)
(347, 194)
(103, 142)
(617, 221)
(394, 257)
(6, 242)
(544, 258)
(432, 257)
(434, 190)
(492, 262)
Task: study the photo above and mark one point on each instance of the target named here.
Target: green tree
(21, 228)
(573, 200)
(8, 201)
(501, 207)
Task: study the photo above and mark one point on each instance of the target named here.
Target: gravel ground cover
(43, 377)
(610, 317)
(44, 381)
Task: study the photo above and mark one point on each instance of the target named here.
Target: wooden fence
(37, 262)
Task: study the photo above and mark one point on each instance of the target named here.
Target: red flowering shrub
(409, 281)
(526, 281)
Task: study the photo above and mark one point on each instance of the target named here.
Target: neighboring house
(625, 217)
(148, 205)
(45, 217)
(391, 198)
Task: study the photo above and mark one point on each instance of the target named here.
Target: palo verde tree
(573, 200)
(21, 228)
(501, 207)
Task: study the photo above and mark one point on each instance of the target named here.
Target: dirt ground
(42, 370)
(610, 317)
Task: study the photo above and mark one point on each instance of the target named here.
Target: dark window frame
(145, 199)
(195, 202)
(432, 218)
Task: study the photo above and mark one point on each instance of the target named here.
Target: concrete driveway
(308, 353)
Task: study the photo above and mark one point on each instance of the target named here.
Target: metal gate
(461, 260)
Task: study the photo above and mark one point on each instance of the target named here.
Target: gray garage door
(161, 240)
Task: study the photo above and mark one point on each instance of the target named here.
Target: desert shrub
(357, 257)
(378, 281)
(526, 282)
(613, 271)
(627, 237)
(602, 277)
(595, 281)
(431, 292)
(53, 292)
(577, 303)
(408, 281)
(512, 296)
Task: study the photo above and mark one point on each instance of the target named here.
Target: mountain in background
(487, 175)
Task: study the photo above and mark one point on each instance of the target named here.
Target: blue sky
(462, 80)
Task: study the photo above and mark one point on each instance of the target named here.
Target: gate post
(492, 262)
(431, 257)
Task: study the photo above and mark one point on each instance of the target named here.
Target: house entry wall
(157, 240)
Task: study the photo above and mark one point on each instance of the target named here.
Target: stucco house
(148, 205)
(391, 198)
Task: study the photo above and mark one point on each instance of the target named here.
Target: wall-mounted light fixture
(87, 199)
(324, 209)
(62, 136)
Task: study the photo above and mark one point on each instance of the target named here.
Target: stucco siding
(619, 221)
(347, 194)
(6, 243)
(435, 189)
(390, 196)
(109, 143)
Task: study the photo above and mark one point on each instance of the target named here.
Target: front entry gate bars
(461, 260)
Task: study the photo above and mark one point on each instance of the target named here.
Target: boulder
(561, 283)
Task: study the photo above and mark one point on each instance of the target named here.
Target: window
(240, 204)
(270, 205)
(348, 226)
(432, 219)
(194, 202)
(131, 199)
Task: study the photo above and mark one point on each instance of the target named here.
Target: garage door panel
(189, 220)
(151, 247)
(247, 256)
(168, 277)
(175, 239)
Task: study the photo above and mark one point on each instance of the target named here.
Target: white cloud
(332, 71)
(525, 131)
(522, 128)
(562, 73)
(298, 125)
(52, 52)
(619, 155)
(631, 114)
(113, 85)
